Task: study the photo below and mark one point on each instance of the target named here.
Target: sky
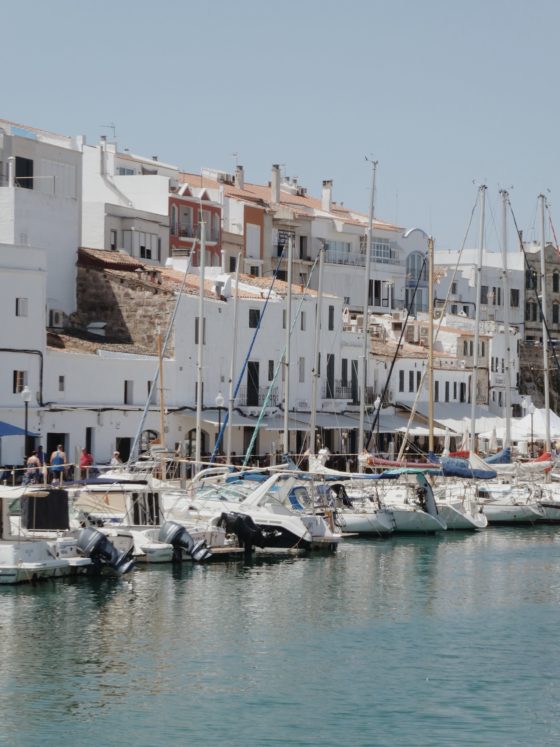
(444, 94)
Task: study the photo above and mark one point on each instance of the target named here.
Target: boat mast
(200, 346)
(316, 353)
(507, 339)
(474, 376)
(161, 402)
(544, 329)
(366, 315)
(231, 400)
(431, 345)
(287, 350)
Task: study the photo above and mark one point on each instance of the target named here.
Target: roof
(260, 195)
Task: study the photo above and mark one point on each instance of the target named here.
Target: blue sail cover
(453, 467)
(502, 457)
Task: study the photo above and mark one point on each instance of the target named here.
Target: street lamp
(26, 396)
(531, 411)
(219, 404)
(377, 411)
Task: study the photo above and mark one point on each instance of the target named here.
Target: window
(436, 391)
(465, 347)
(128, 386)
(471, 347)
(254, 270)
(24, 172)
(418, 380)
(283, 318)
(447, 391)
(514, 298)
(61, 383)
(254, 317)
(463, 392)
(270, 370)
(484, 294)
(401, 381)
(301, 368)
(303, 247)
(113, 240)
(482, 349)
(500, 398)
(149, 385)
(302, 321)
(454, 308)
(19, 381)
(346, 300)
(232, 263)
(454, 288)
(21, 306)
(411, 381)
(555, 282)
(555, 308)
(331, 318)
(455, 390)
(466, 310)
(196, 331)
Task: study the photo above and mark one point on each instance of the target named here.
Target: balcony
(186, 231)
(339, 389)
(255, 397)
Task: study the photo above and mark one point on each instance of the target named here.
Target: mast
(544, 328)
(506, 292)
(316, 353)
(474, 376)
(200, 345)
(430, 345)
(287, 351)
(161, 402)
(231, 398)
(366, 314)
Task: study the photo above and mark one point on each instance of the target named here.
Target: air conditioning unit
(56, 318)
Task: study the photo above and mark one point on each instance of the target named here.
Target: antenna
(111, 126)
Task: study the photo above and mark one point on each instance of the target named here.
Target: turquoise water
(448, 640)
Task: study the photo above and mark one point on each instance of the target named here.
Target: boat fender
(95, 545)
(175, 534)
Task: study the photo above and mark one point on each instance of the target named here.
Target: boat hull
(416, 521)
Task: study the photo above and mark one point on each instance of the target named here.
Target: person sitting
(116, 459)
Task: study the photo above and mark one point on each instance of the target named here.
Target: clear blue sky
(441, 92)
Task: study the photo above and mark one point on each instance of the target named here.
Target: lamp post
(219, 404)
(531, 411)
(26, 396)
(377, 410)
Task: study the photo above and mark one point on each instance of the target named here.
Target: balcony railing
(193, 232)
(255, 397)
(338, 389)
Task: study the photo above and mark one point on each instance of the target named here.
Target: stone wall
(131, 306)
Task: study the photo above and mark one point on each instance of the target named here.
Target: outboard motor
(245, 529)
(95, 545)
(175, 534)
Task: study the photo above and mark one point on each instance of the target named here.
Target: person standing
(57, 462)
(86, 461)
(116, 459)
(33, 472)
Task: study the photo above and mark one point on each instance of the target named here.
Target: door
(354, 382)
(252, 383)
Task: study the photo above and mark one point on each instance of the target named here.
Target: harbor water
(442, 640)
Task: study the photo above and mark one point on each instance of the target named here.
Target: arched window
(414, 263)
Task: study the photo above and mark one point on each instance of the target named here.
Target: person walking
(33, 472)
(57, 462)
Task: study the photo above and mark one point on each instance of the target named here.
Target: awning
(7, 429)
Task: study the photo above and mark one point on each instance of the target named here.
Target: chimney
(326, 199)
(239, 177)
(275, 184)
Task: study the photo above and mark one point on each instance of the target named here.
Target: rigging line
(532, 276)
(135, 445)
(425, 371)
(278, 367)
(375, 420)
(246, 361)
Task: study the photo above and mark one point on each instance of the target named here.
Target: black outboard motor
(245, 529)
(95, 545)
(175, 534)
